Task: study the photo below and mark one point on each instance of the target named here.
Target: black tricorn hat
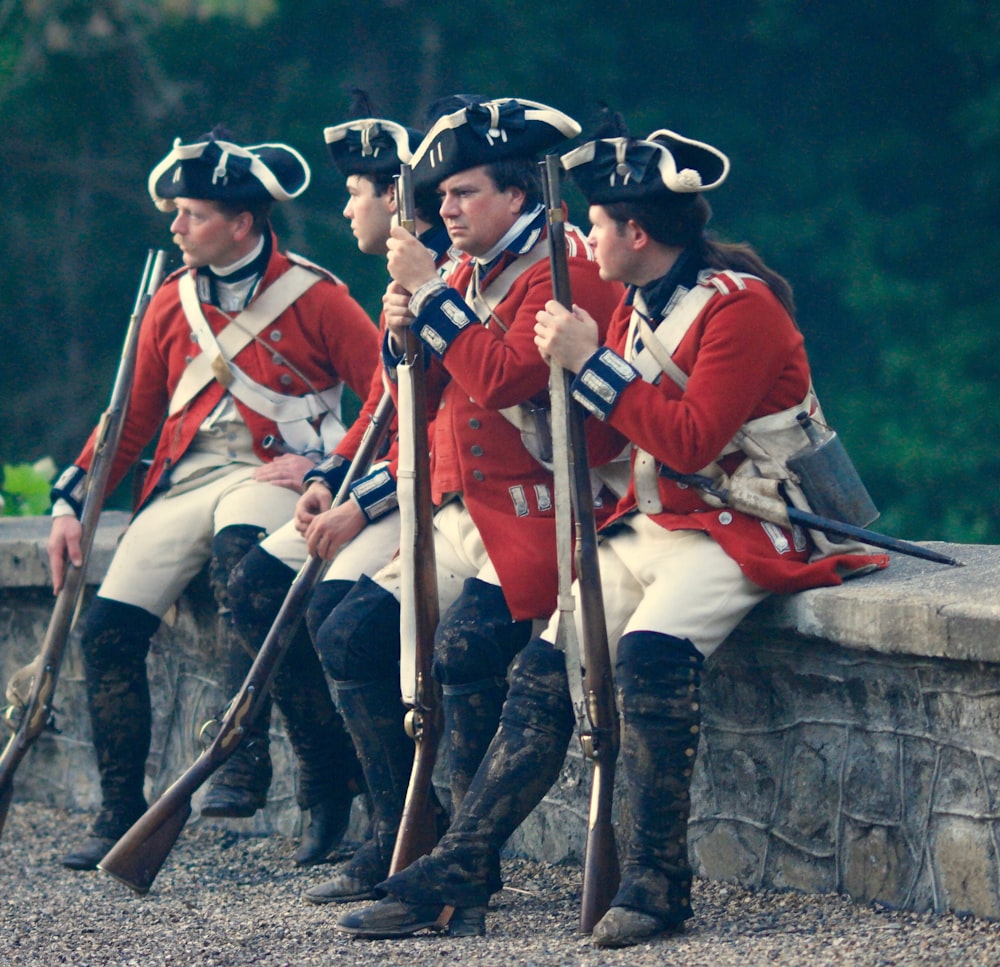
(627, 169)
(486, 131)
(370, 146)
(219, 170)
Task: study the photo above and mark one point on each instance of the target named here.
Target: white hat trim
(698, 144)
(533, 111)
(399, 135)
(187, 152)
(683, 181)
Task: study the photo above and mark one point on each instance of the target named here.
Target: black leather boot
(329, 774)
(475, 642)
(114, 643)
(471, 716)
(657, 679)
(374, 715)
(523, 760)
(239, 786)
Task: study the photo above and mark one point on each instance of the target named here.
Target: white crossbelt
(293, 414)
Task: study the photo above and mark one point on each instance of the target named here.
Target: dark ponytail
(681, 222)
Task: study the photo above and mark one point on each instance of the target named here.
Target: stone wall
(60, 767)
(851, 738)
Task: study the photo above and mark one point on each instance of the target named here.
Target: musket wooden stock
(138, 856)
(37, 713)
(572, 473)
(419, 599)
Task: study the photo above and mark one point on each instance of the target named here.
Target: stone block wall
(851, 736)
(60, 767)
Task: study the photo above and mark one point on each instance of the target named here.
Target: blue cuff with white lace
(376, 494)
(445, 315)
(599, 384)
(332, 471)
(70, 486)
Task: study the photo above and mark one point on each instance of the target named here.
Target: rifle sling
(405, 489)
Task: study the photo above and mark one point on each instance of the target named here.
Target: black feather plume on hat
(361, 103)
(610, 124)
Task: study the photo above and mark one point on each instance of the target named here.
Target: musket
(768, 505)
(419, 608)
(138, 856)
(597, 719)
(37, 714)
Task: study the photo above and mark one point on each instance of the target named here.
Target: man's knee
(256, 587)
(115, 633)
(477, 637)
(326, 596)
(359, 639)
(229, 547)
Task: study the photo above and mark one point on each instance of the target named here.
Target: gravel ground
(224, 898)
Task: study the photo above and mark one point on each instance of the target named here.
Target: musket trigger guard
(208, 732)
(9, 713)
(413, 723)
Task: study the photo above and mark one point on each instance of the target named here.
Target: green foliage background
(864, 142)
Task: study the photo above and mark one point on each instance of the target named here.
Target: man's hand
(284, 471)
(63, 545)
(410, 262)
(316, 500)
(396, 309)
(330, 531)
(570, 338)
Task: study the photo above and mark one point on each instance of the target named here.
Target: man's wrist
(424, 294)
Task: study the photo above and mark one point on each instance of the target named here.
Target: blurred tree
(863, 139)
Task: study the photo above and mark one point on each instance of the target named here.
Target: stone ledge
(850, 742)
(24, 562)
(914, 607)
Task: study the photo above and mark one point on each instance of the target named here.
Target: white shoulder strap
(659, 346)
(523, 415)
(216, 351)
(656, 356)
(486, 300)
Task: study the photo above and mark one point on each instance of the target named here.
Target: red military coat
(745, 358)
(324, 334)
(475, 450)
(381, 499)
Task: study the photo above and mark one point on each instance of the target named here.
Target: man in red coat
(702, 359)
(362, 534)
(494, 535)
(245, 346)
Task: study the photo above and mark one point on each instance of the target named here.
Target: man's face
(370, 214)
(205, 235)
(610, 242)
(475, 213)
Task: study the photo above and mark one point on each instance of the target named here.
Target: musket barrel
(38, 709)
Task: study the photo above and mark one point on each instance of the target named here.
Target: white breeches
(370, 550)
(678, 583)
(168, 543)
(459, 554)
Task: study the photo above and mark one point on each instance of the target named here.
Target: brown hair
(259, 211)
(680, 220)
